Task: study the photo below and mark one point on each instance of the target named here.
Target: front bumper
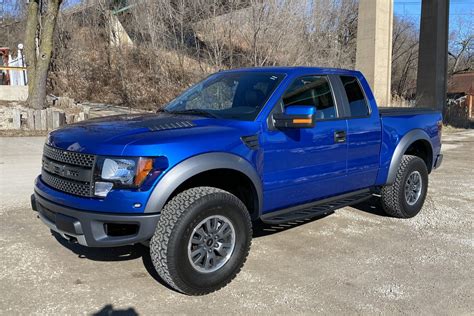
(94, 229)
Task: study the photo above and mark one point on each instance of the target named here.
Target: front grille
(69, 157)
(67, 171)
(73, 187)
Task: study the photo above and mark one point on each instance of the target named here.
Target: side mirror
(295, 116)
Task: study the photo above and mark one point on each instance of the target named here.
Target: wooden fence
(460, 113)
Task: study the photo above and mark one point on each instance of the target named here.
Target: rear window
(355, 97)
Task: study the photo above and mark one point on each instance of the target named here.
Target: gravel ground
(355, 261)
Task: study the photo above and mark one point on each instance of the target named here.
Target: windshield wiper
(193, 112)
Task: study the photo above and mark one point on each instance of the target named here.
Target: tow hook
(70, 239)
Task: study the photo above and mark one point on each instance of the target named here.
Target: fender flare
(405, 142)
(195, 165)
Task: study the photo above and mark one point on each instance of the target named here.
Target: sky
(458, 10)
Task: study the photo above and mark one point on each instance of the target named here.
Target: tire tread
(390, 194)
(170, 216)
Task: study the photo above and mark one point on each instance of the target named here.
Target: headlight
(126, 171)
(122, 173)
(122, 170)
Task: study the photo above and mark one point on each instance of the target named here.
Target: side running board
(310, 210)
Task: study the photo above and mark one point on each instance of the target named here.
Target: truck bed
(397, 123)
(397, 111)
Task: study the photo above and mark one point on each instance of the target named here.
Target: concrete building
(12, 76)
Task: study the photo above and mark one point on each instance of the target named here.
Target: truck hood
(150, 134)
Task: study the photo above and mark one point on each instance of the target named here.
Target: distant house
(461, 84)
(461, 92)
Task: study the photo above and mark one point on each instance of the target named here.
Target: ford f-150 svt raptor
(269, 144)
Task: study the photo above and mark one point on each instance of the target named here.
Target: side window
(355, 96)
(315, 91)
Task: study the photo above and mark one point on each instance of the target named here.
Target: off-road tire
(169, 245)
(393, 196)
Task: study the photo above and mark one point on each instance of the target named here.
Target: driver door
(305, 164)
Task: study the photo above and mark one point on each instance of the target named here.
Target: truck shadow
(372, 206)
(123, 253)
(260, 229)
(110, 310)
(138, 251)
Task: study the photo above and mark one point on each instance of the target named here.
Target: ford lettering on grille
(70, 172)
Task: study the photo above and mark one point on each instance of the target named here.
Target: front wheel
(405, 197)
(202, 240)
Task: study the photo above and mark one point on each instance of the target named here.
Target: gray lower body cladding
(94, 229)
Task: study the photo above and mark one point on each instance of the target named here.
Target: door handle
(339, 136)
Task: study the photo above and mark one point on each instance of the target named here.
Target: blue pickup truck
(274, 144)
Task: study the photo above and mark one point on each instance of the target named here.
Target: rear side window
(315, 91)
(355, 96)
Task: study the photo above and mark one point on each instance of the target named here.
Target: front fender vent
(251, 141)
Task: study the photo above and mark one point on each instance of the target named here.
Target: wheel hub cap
(413, 187)
(211, 244)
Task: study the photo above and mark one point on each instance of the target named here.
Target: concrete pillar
(59, 119)
(30, 120)
(44, 124)
(56, 119)
(83, 116)
(69, 118)
(37, 116)
(374, 46)
(49, 119)
(16, 118)
(117, 34)
(431, 78)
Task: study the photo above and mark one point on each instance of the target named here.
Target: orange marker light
(302, 121)
(145, 165)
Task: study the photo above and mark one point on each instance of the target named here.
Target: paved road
(351, 262)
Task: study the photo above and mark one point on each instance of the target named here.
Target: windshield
(236, 95)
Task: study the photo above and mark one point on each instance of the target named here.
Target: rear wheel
(405, 197)
(202, 240)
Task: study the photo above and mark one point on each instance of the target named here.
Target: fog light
(103, 188)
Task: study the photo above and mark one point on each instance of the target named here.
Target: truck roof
(297, 69)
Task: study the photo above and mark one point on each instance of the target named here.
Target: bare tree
(461, 47)
(40, 25)
(404, 57)
(176, 42)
